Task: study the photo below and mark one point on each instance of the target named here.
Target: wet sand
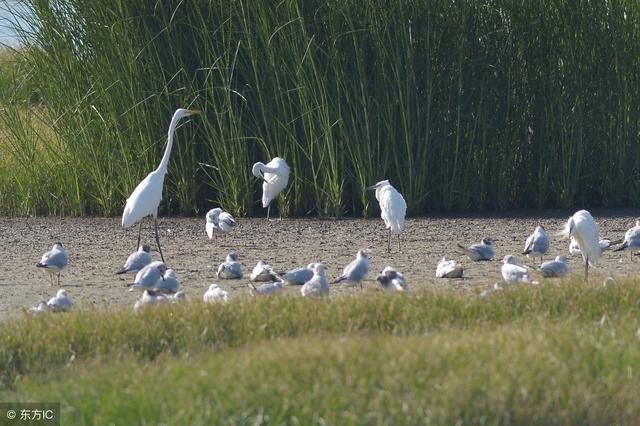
(98, 247)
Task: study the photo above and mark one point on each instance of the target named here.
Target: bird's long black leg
(158, 238)
(399, 246)
(586, 269)
(389, 242)
(139, 233)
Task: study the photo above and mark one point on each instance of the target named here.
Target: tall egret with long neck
(393, 209)
(584, 230)
(275, 176)
(145, 199)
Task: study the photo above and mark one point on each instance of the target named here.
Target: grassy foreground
(564, 353)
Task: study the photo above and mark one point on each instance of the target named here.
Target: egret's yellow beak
(193, 111)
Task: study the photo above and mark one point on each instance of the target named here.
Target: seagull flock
(160, 286)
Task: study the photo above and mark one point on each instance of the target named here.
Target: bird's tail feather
(622, 247)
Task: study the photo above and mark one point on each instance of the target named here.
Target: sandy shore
(97, 248)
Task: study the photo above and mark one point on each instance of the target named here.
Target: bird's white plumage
(448, 269)
(41, 308)
(231, 268)
(318, 285)
(537, 244)
(148, 277)
(514, 273)
(478, 252)
(168, 284)
(356, 271)
(217, 220)
(574, 248)
(555, 268)
(136, 261)
(393, 207)
(584, 230)
(276, 177)
(60, 302)
(267, 289)
(215, 294)
(263, 272)
(631, 238)
(392, 280)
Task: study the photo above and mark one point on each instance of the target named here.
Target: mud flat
(97, 248)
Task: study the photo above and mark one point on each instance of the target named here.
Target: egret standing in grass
(584, 230)
(275, 177)
(145, 199)
(393, 209)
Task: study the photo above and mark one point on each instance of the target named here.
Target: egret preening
(219, 220)
(537, 244)
(145, 199)
(478, 252)
(584, 230)
(393, 209)
(54, 261)
(275, 177)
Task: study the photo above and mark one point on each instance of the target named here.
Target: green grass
(438, 96)
(559, 353)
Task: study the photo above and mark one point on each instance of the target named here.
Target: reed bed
(462, 105)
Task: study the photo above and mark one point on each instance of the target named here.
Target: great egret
(478, 252)
(145, 199)
(275, 177)
(392, 280)
(318, 285)
(448, 269)
(393, 209)
(631, 238)
(215, 294)
(555, 268)
(219, 220)
(168, 284)
(136, 261)
(231, 268)
(537, 244)
(584, 230)
(263, 272)
(61, 302)
(298, 276)
(356, 271)
(54, 261)
(514, 273)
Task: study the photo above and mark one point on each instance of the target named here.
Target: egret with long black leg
(584, 230)
(393, 209)
(275, 177)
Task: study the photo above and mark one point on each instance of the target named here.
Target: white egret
(514, 273)
(318, 285)
(356, 271)
(60, 303)
(448, 269)
(215, 294)
(145, 199)
(537, 244)
(231, 268)
(54, 261)
(219, 220)
(136, 260)
(478, 252)
(393, 209)
(555, 268)
(631, 239)
(584, 230)
(392, 280)
(275, 177)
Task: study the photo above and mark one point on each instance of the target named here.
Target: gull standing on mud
(318, 285)
(555, 268)
(514, 273)
(275, 177)
(298, 276)
(54, 261)
(231, 269)
(478, 252)
(584, 230)
(392, 280)
(448, 269)
(356, 271)
(148, 277)
(219, 220)
(146, 197)
(631, 238)
(393, 209)
(61, 302)
(263, 272)
(215, 294)
(537, 244)
(136, 261)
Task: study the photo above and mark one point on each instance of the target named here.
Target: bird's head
(488, 241)
(234, 257)
(184, 112)
(212, 215)
(319, 268)
(363, 254)
(256, 170)
(378, 185)
(213, 287)
(62, 293)
(510, 259)
(151, 293)
(383, 280)
(170, 273)
(58, 245)
(561, 258)
(146, 248)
